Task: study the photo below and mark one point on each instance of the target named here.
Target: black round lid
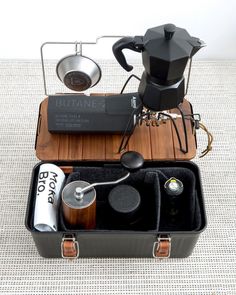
(124, 199)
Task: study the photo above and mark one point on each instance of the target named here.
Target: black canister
(124, 201)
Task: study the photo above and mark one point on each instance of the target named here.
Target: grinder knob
(132, 161)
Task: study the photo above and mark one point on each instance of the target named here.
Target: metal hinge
(69, 247)
(162, 247)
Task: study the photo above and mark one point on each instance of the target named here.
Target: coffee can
(50, 182)
(79, 209)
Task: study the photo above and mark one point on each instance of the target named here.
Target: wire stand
(155, 118)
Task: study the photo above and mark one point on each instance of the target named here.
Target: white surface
(26, 24)
(211, 270)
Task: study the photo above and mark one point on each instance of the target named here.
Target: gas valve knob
(173, 187)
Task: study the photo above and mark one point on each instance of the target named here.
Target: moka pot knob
(169, 31)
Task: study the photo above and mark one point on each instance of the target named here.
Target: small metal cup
(78, 72)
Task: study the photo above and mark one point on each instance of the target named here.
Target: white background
(26, 24)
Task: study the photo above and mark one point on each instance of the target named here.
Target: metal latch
(162, 247)
(69, 247)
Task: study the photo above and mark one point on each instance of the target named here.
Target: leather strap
(162, 247)
(69, 248)
(163, 250)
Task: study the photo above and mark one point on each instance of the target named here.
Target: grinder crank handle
(131, 161)
(132, 43)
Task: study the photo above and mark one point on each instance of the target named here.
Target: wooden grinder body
(80, 217)
(79, 212)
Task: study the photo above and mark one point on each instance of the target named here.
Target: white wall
(26, 24)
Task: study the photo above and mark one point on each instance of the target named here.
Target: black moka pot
(165, 52)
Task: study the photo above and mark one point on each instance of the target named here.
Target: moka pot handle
(132, 43)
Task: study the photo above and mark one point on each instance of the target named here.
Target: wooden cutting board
(154, 143)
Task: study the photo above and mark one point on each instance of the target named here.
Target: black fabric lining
(145, 182)
(154, 211)
(155, 206)
(186, 219)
